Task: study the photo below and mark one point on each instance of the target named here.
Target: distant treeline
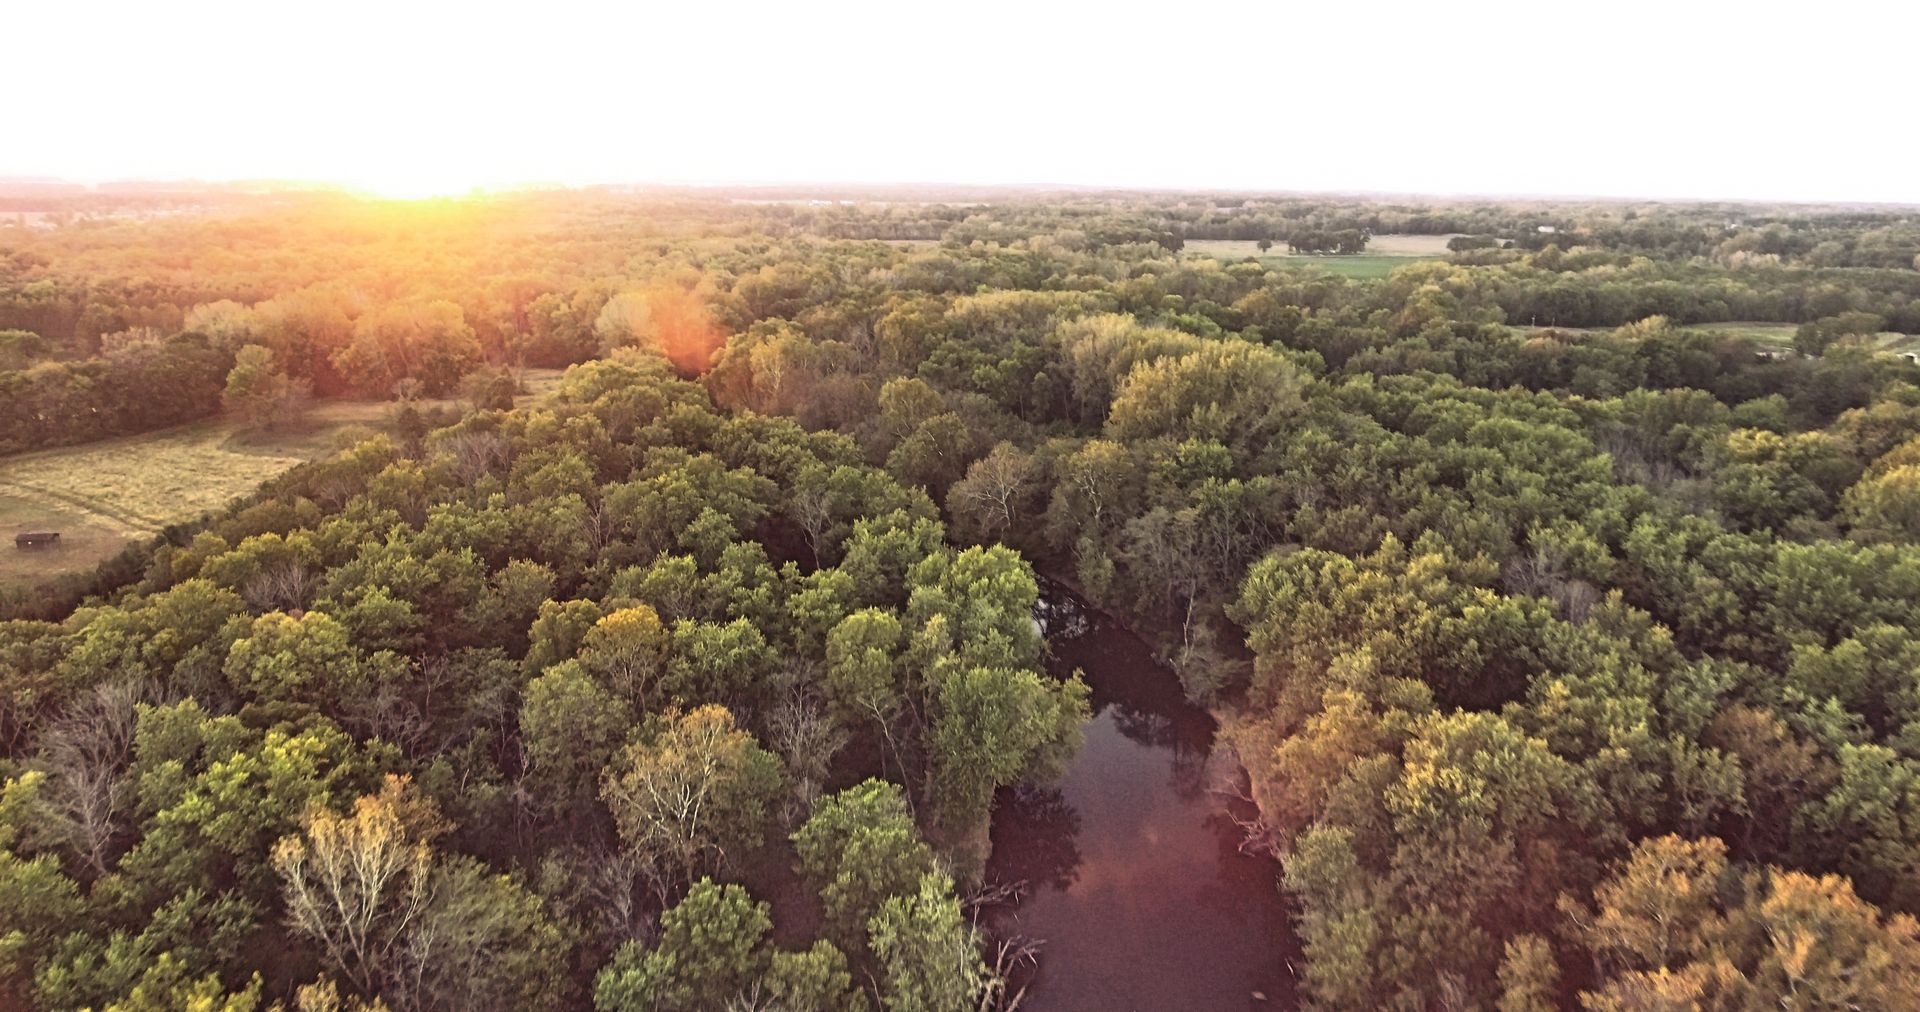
(378, 298)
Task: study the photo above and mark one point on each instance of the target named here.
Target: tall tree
(692, 795)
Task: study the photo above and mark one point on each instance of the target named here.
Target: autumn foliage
(665, 318)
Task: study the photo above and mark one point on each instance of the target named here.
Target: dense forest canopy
(1568, 632)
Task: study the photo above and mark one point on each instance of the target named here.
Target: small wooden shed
(36, 539)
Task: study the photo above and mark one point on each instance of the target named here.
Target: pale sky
(1752, 100)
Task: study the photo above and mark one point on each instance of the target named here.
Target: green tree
(904, 404)
(20, 347)
(709, 952)
(626, 651)
(1341, 921)
(983, 599)
(863, 669)
(305, 659)
(559, 631)
(571, 728)
(814, 980)
(1529, 977)
(1886, 506)
(714, 661)
(883, 551)
(996, 727)
(929, 955)
(1240, 394)
(214, 826)
(934, 455)
(38, 902)
(1096, 482)
(859, 848)
(260, 393)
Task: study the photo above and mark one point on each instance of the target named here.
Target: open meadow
(1766, 336)
(1363, 267)
(101, 496)
(1384, 253)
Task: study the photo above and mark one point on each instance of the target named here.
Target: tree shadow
(1035, 837)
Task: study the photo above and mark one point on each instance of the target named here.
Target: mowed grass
(1768, 335)
(1765, 335)
(85, 540)
(1896, 342)
(1384, 254)
(101, 496)
(1780, 335)
(1365, 267)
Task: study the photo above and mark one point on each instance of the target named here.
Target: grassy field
(1363, 267)
(85, 539)
(1764, 335)
(101, 496)
(1384, 253)
(1769, 335)
(1897, 342)
(1780, 335)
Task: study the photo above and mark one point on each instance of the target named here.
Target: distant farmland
(1364, 267)
(1768, 335)
(102, 496)
(1384, 254)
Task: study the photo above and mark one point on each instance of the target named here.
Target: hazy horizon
(882, 190)
(1648, 102)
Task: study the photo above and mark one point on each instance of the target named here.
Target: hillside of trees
(1572, 651)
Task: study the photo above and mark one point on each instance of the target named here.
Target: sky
(1674, 99)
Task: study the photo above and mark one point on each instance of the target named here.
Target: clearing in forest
(101, 496)
(1384, 253)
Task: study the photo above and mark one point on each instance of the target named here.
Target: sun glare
(404, 187)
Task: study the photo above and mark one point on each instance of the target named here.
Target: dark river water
(1137, 887)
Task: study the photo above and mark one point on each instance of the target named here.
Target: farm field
(1384, 253)
(1765, 335)
(1772, 335)
(101, 496)
(86, 539)
(1364, 267)
(1899, 342)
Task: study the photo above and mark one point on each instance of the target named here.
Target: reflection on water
(1048, 831)
(1138, 889)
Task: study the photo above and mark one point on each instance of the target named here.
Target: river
(1138, 890)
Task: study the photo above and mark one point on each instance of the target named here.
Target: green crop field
(1384, 253)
